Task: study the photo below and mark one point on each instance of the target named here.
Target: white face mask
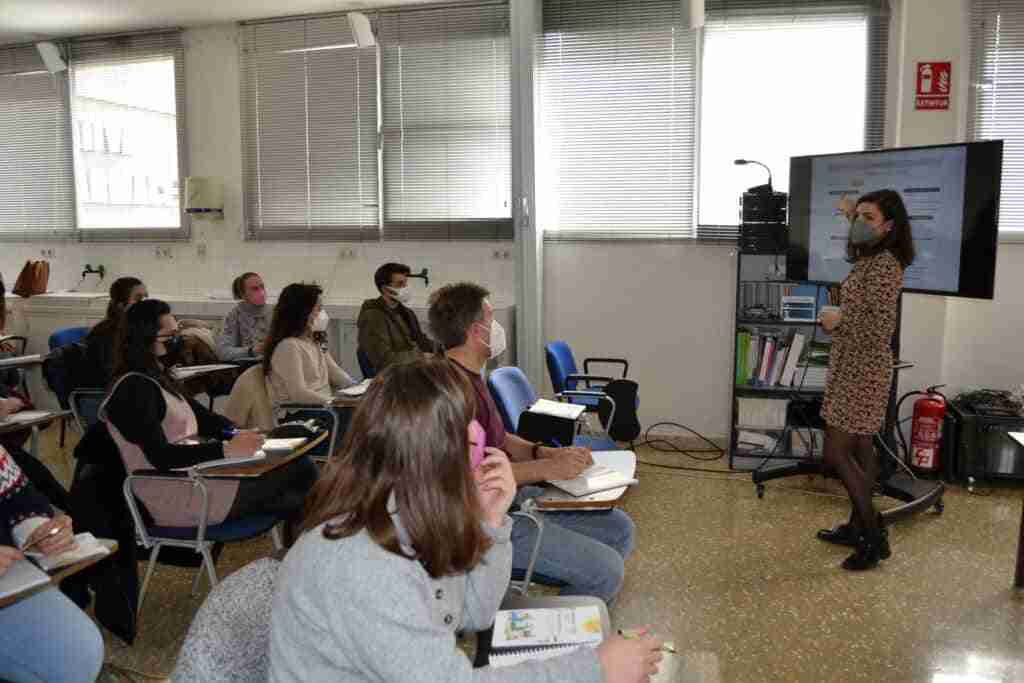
(319, 323)
(498, 340)
(402, 296)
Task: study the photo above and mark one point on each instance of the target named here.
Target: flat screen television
(952, 196)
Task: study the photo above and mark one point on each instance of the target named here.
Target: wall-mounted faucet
(99, 270)
(423, 275)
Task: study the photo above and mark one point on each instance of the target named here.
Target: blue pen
(555, 443)
(229, 433)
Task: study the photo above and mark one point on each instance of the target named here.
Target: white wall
(667, 308)
(214, 133)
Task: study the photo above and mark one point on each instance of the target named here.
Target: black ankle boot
(884, 551)
(841, 534)
(867, 553)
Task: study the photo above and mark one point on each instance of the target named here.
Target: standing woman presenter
(881, 248)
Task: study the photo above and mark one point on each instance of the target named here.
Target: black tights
(854, 459)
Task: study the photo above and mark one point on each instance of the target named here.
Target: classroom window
(996, 108)
(781, 80)
(37, 188)
(617, 135)
(127, 115)
(406, 140)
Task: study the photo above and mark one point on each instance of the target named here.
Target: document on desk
(1018, 437)
(20, 360)
(569, 411)
(356, 389)
(25, 416)
(20, 577)
(258, 456)
(190, 371)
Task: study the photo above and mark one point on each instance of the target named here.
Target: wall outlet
(201, 250)
(347, 254)
(166, 253)
(48, 253)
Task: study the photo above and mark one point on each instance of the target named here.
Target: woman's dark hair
(238, 284)
(899, 240)
(3, 303)
(291, 314)
(120, 293)
(407, 438)
(133, 351)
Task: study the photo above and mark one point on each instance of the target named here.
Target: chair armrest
(582, 394)
(607, 361)
(588, 378)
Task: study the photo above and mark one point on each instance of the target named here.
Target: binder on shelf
(795, 350)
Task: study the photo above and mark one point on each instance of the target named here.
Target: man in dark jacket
(388, 330)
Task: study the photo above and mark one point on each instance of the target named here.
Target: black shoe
(884, 551)
(867, 554)
(841, 534)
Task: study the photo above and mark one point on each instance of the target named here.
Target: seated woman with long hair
(148, 416)
(405, 543)
(125, 292)
(297, 366)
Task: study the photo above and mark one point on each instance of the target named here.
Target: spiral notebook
(532, 634)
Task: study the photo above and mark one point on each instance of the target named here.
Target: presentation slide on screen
(931, 182)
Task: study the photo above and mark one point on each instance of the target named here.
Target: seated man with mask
(388, 331)
(585, 551)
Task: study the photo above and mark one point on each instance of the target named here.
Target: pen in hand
(49, 534)
(629, 634)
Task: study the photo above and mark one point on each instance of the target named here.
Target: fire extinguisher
(926, 430)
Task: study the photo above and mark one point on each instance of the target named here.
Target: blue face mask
(862, 233)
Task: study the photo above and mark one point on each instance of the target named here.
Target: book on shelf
(796, 347)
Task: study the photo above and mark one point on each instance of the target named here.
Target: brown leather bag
(33, 279)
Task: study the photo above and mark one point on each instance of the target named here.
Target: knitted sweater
(245, 326)
(19, 501)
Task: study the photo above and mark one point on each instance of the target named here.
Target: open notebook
(530, 634)
(88, 548)
(611, 471)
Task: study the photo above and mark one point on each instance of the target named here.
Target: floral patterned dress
(860, 365)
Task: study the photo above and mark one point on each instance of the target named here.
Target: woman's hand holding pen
(630, 660)
(52, 537)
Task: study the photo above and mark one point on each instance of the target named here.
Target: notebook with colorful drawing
(530, 634)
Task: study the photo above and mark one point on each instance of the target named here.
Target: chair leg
(153, 553)
(63, 426)
(210, 570)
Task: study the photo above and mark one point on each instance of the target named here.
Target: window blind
(127, 98)
(618, 120)
(782, 78)
(446, 124)
(37, 188)
(997, 99)
(309, 131)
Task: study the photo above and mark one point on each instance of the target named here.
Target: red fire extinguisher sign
(934, 84)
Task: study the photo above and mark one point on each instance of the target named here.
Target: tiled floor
(748, 594)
